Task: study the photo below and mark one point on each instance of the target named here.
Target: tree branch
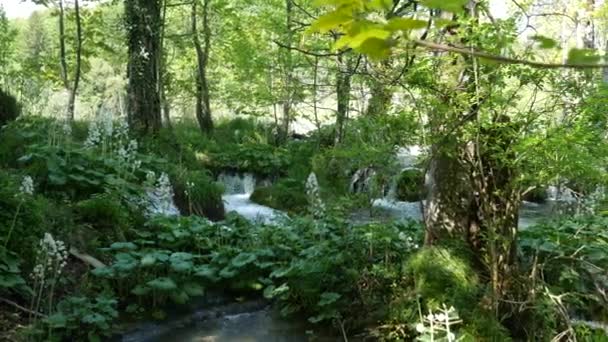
(309, 53)
(506, 60)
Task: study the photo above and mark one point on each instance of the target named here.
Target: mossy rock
(196, 193)
(444, 276)
(410, 186)
(9, 108)
(106, 215)
(285, 195)
(538, 195)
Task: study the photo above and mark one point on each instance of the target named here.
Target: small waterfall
(238, 183)
(160, 196)
(238, 188)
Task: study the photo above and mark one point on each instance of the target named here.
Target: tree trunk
(471, 190)
(203, 108)
(62, 57)
(381, 93)
(74, 90)
(162, 69)
(343, 87)
(287, 74)
(143, 100)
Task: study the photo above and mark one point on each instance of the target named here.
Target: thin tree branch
(506, 60)
(309, 53)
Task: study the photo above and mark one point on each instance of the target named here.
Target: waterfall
(238, 183)
(238, 188)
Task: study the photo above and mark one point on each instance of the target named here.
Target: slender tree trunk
(143, 100)
(343, 87)
(74, 90)
(381, 93)
(162, 70)
(203, 109)
(315, 82)
(287, 74)
(62, 57)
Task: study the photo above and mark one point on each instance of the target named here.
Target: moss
(443, 276)
(106, 215)
(410, 186)
(286, 195)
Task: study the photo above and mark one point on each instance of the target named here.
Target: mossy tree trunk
(472, 193)
(143, 101)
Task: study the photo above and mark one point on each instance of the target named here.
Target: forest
(303, 170)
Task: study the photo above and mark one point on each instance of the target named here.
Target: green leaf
(454, 6)
(328, 298)
(206, 271)
(330, 21)
(544, 42)
(376, 49)
(369, 34)
(583, 56)
(141, 290)
(180, 297)
(193, 289)
(123, 246)
(405, 24)
(58, 320)
(163, 283)
(243, 259)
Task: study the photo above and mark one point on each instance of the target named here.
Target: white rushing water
(238, 189)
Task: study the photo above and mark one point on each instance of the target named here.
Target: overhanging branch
(506, 60)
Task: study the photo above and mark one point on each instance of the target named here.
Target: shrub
(10, 109)
(196, 193)
(106, 215)
(444, 277)
(287, 195)
(410, 186)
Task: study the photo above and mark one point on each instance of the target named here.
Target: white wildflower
(420, 328)
(317, 207)
(27, 186)
(52, 258)
(94, 137)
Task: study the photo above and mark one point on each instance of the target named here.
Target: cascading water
(238, 189)
(406, 159)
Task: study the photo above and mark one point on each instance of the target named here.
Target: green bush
(286, 195)
(25, 215)
(196, 193)
(106, 215)
(410, 186)
(9, 108)
(444, 277)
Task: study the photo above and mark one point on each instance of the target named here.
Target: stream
(255, 321)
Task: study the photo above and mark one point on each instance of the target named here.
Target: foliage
(286, 194)
(571, 257)
(82, 318)
(410, 186)
(196, 193)
(9, 108)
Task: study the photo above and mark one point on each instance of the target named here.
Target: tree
(203, 107)
(143, 29)
(473, 192)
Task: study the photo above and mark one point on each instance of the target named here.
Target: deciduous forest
(303, 170)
